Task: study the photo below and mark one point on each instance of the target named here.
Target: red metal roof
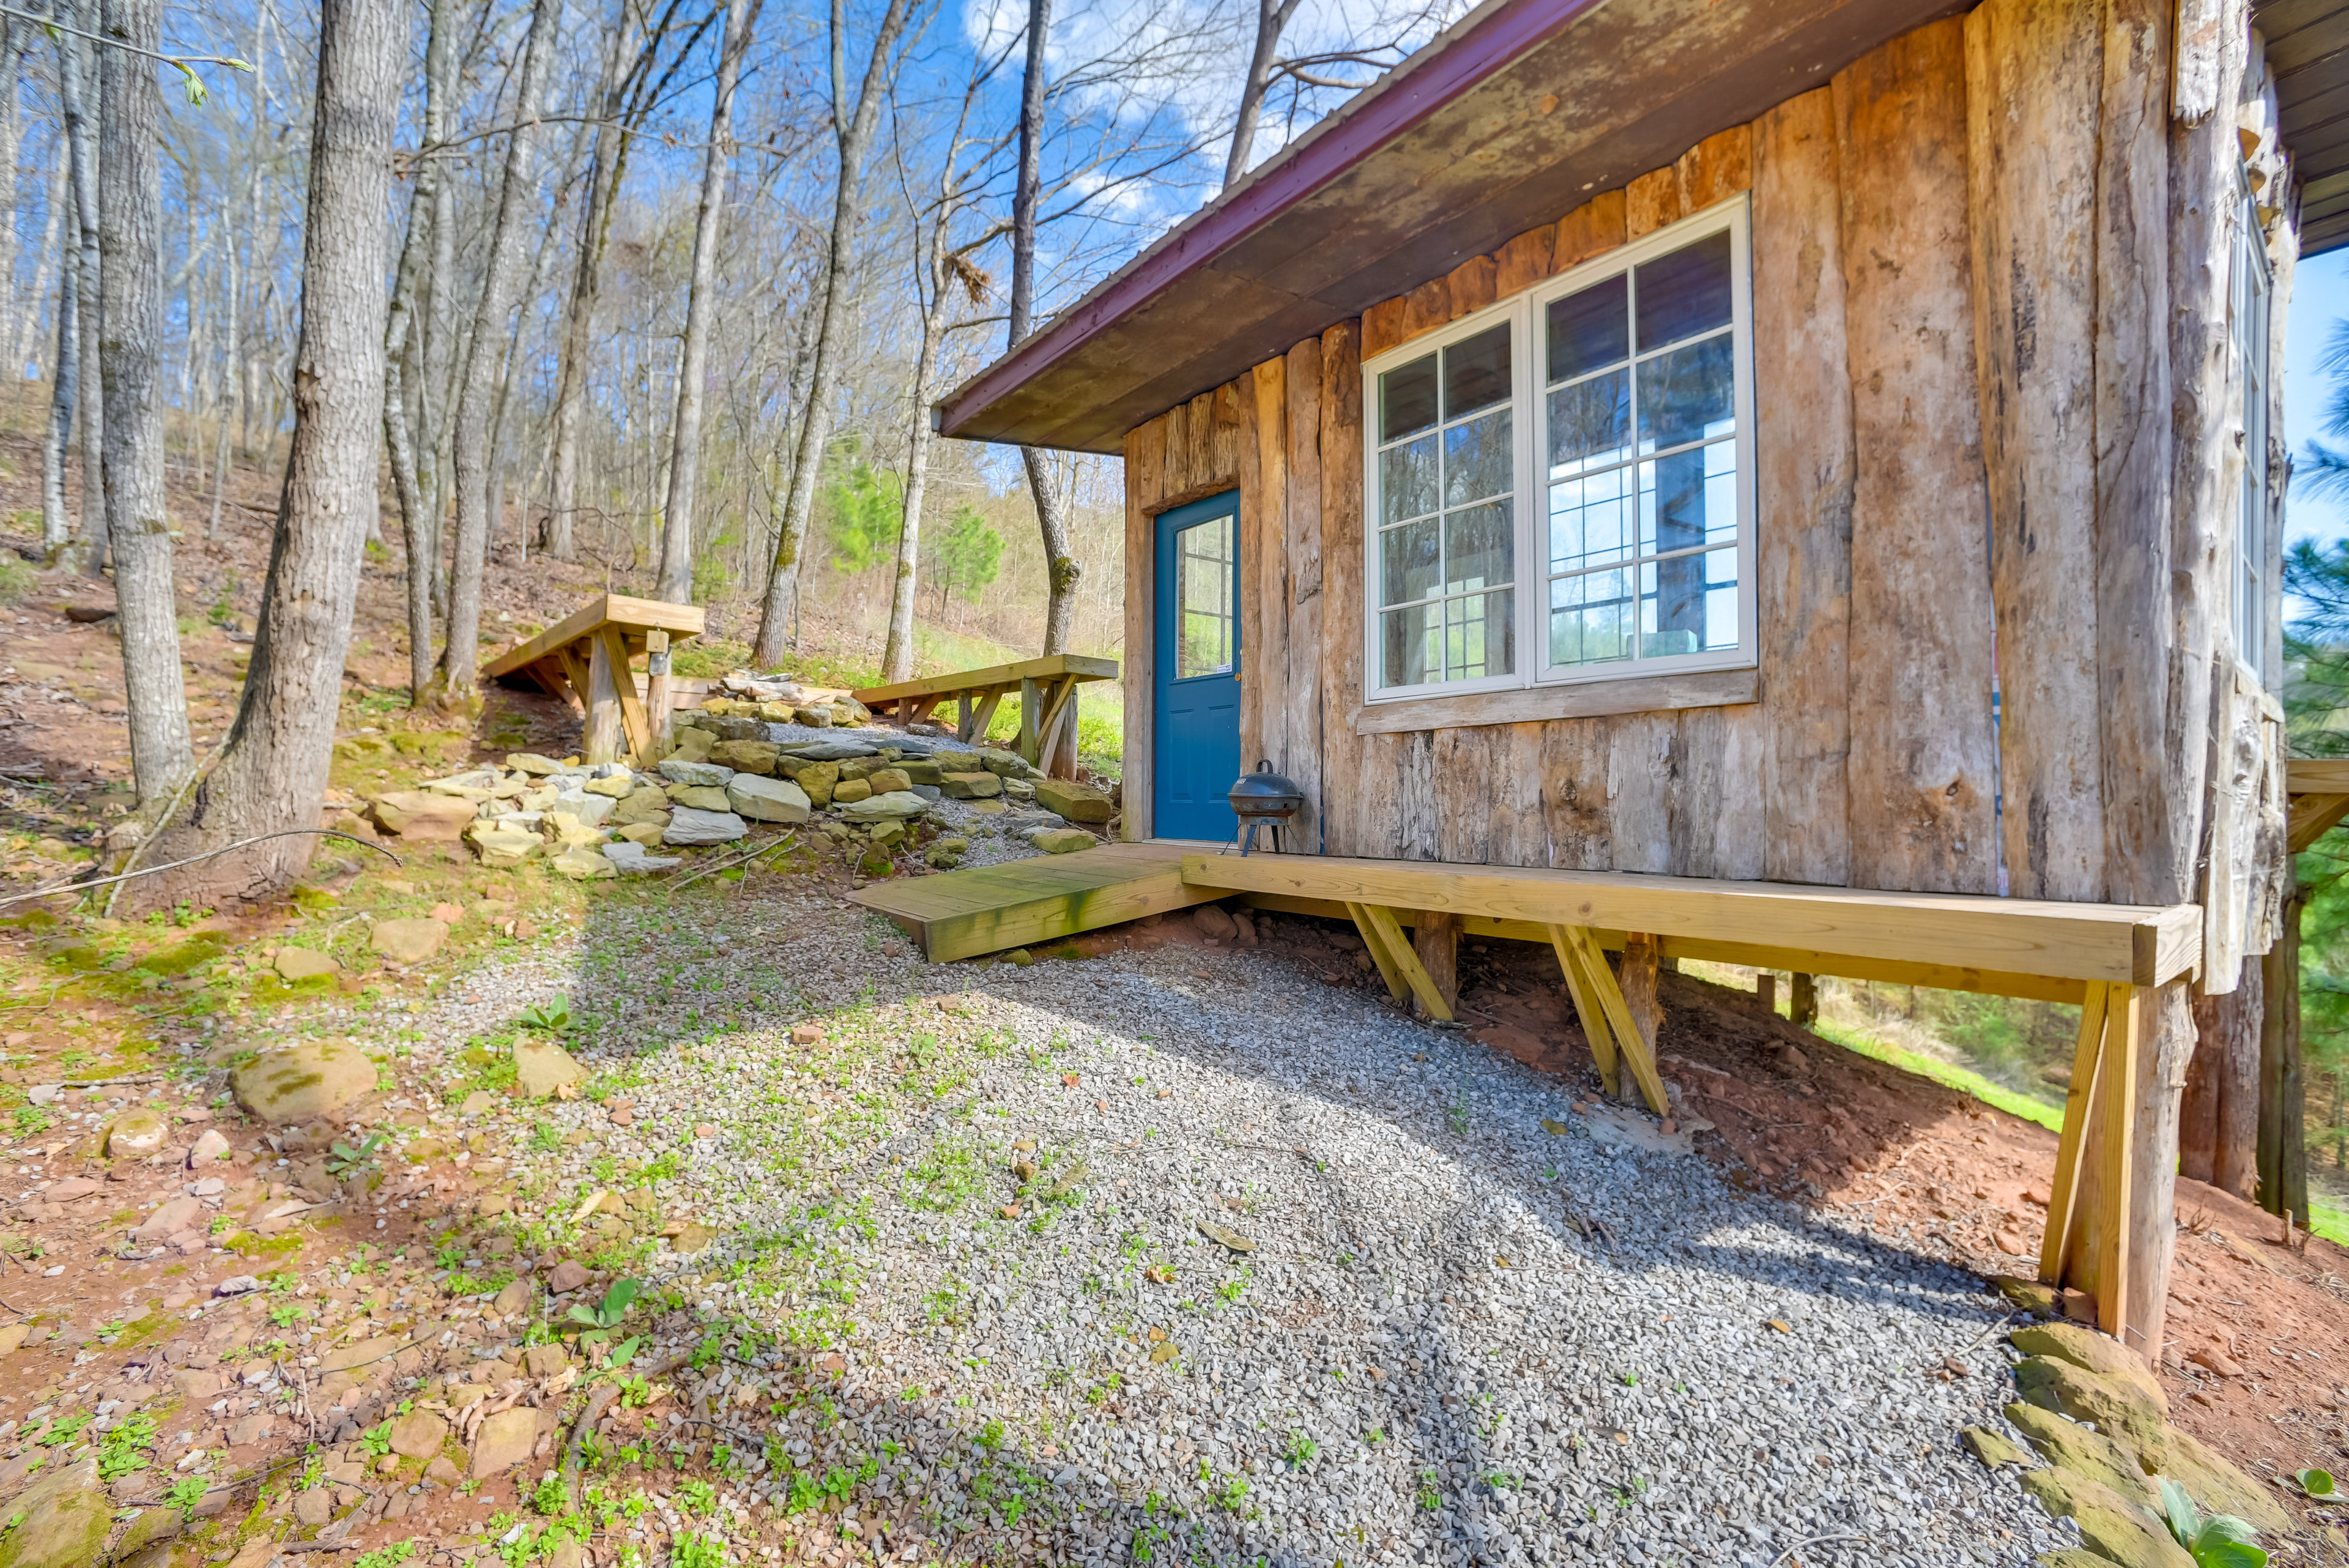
(1513, 117)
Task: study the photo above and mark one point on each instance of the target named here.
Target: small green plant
(2317, 1483)
(347, 1159)
(548, 1017)
(123, 1448)
(1429, 1498)
(544, 1140)
(990, 1436)
(30, 1120)
(553, 1496)
(606, 1315)
(313, 1473)
(1631, 1380)
(390, 1556)
(2220, 1540)
(184, 1494)
(1300, 1452)
(697, 1496)
(285, 1315)
(698, 1552)
(377, 1440)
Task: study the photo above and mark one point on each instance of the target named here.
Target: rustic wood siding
(1963, 265)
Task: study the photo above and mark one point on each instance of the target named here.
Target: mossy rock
(2028, 1295)
(2085, 1348)
(2112, 1525)
(181, 957)
(2217, 1486)
(66, 1516)
(2066, 1443)
(304, 1080)
(2118, 1406)
(1994, 1448)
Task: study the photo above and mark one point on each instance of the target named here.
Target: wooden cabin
(1826, 443)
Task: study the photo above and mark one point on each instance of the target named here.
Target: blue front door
(1197, 733)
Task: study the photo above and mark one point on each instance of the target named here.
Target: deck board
(1017, 903)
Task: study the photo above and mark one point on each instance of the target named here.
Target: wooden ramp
(987, 908)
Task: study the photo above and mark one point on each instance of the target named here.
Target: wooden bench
(2111, 959)
(585, 659)
(1047, 695)
(2318, 788)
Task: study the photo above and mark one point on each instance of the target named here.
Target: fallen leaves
(1223, 1238)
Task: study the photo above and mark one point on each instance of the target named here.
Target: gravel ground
(1458, 1338)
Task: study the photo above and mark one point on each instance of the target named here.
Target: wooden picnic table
(1047, 698)
(585, 657)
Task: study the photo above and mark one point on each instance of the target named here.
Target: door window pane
(1407, 400)
(1685, 293)
(1203, 598)
(1589, 330)
(1476, 372)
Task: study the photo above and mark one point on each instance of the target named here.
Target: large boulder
(691, 743)
(421, 814)
(304, 1079)
(1078, 803)
(766, 799)
(848, 792)
(1062, 840)
(407, 941)
(819, 779)
(65, 1518)
(894, 806)
(689, 826)
(588, 809)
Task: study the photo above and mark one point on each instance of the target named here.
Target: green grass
(2329, 1220)
(1961, 1079)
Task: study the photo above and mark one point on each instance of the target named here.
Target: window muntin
(1630, 431)
(2247, 330)
(1445, 551)
(1203, 598)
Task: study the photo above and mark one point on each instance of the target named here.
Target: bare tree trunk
(693, 361)
(432, 397)
(232, 346)
(57, 528)
(274, 769)
(130, 235)
(458, 680)
(579, 317)
(77, 91)
(11, 144)
(1063, 571)
(416, 523)
(897, 655)
(1271, 20)
(855, 135)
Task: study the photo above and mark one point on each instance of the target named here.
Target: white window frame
(2250, 304)
(1530, 438)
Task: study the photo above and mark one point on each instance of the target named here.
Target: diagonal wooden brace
(1585, 1007)
(1608, 995)
(1380, 930)
(2078, 1102)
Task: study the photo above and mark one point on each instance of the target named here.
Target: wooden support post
(2062, 1193)
(601, 744)
(661, 696)
(1381, 920)
(1436, 937)
(1804, 1007)
(984, 719)
(1644, 1006)
(1375, 941)
(633, 718)
(1765, 990)
(1058, 757)
(1587, 1005)
(1031, 735)
(2117, 1123)
(962, 721)
(1636, 1047)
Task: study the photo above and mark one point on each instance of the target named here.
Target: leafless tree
(272, 771)
(1376, 41)
(78, 89)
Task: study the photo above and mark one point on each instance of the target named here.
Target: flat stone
(897, 804)
(589, 809)
(514, 1298)
(419, 1435)
(302, 1080)
(2085, 1348)
(302, 963)
(2118, 1406)
(700, 797)
(1063, 840)
(767, 799)
(848, 792)
(503, 844)
(568, 1275)
(688, 826)
(407, 941)
(980, 785)
(612, 786)
(504, 1441)
(1007, 764)
(746, 756)
(67, 1516)
(314, 1506)
(541, 1068)
(421, 814)
(628, 856)
(366, 1353)
(646, 803)
(1078, 803)
(677, 769)
(814, 718)
(692, 744)
(211, 1146)
(642, 833)
(168, 1219)
(583, 864)
(136, 1134)
(837, 751)
(2065, 1442)
(2108, 1522)
(531, 762)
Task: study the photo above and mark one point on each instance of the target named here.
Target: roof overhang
(2308, 48)
(1512, 118)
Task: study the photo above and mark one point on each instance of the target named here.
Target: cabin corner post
(1146, 446)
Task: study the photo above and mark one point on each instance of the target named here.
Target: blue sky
(2320, 296)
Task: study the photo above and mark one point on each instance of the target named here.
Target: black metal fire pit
(1266, 799)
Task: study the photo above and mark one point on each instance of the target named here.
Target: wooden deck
(990, 908)
(586, 658)
(1047, 689)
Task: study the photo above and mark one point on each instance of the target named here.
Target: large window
(1561, 485)
(2248, 328)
